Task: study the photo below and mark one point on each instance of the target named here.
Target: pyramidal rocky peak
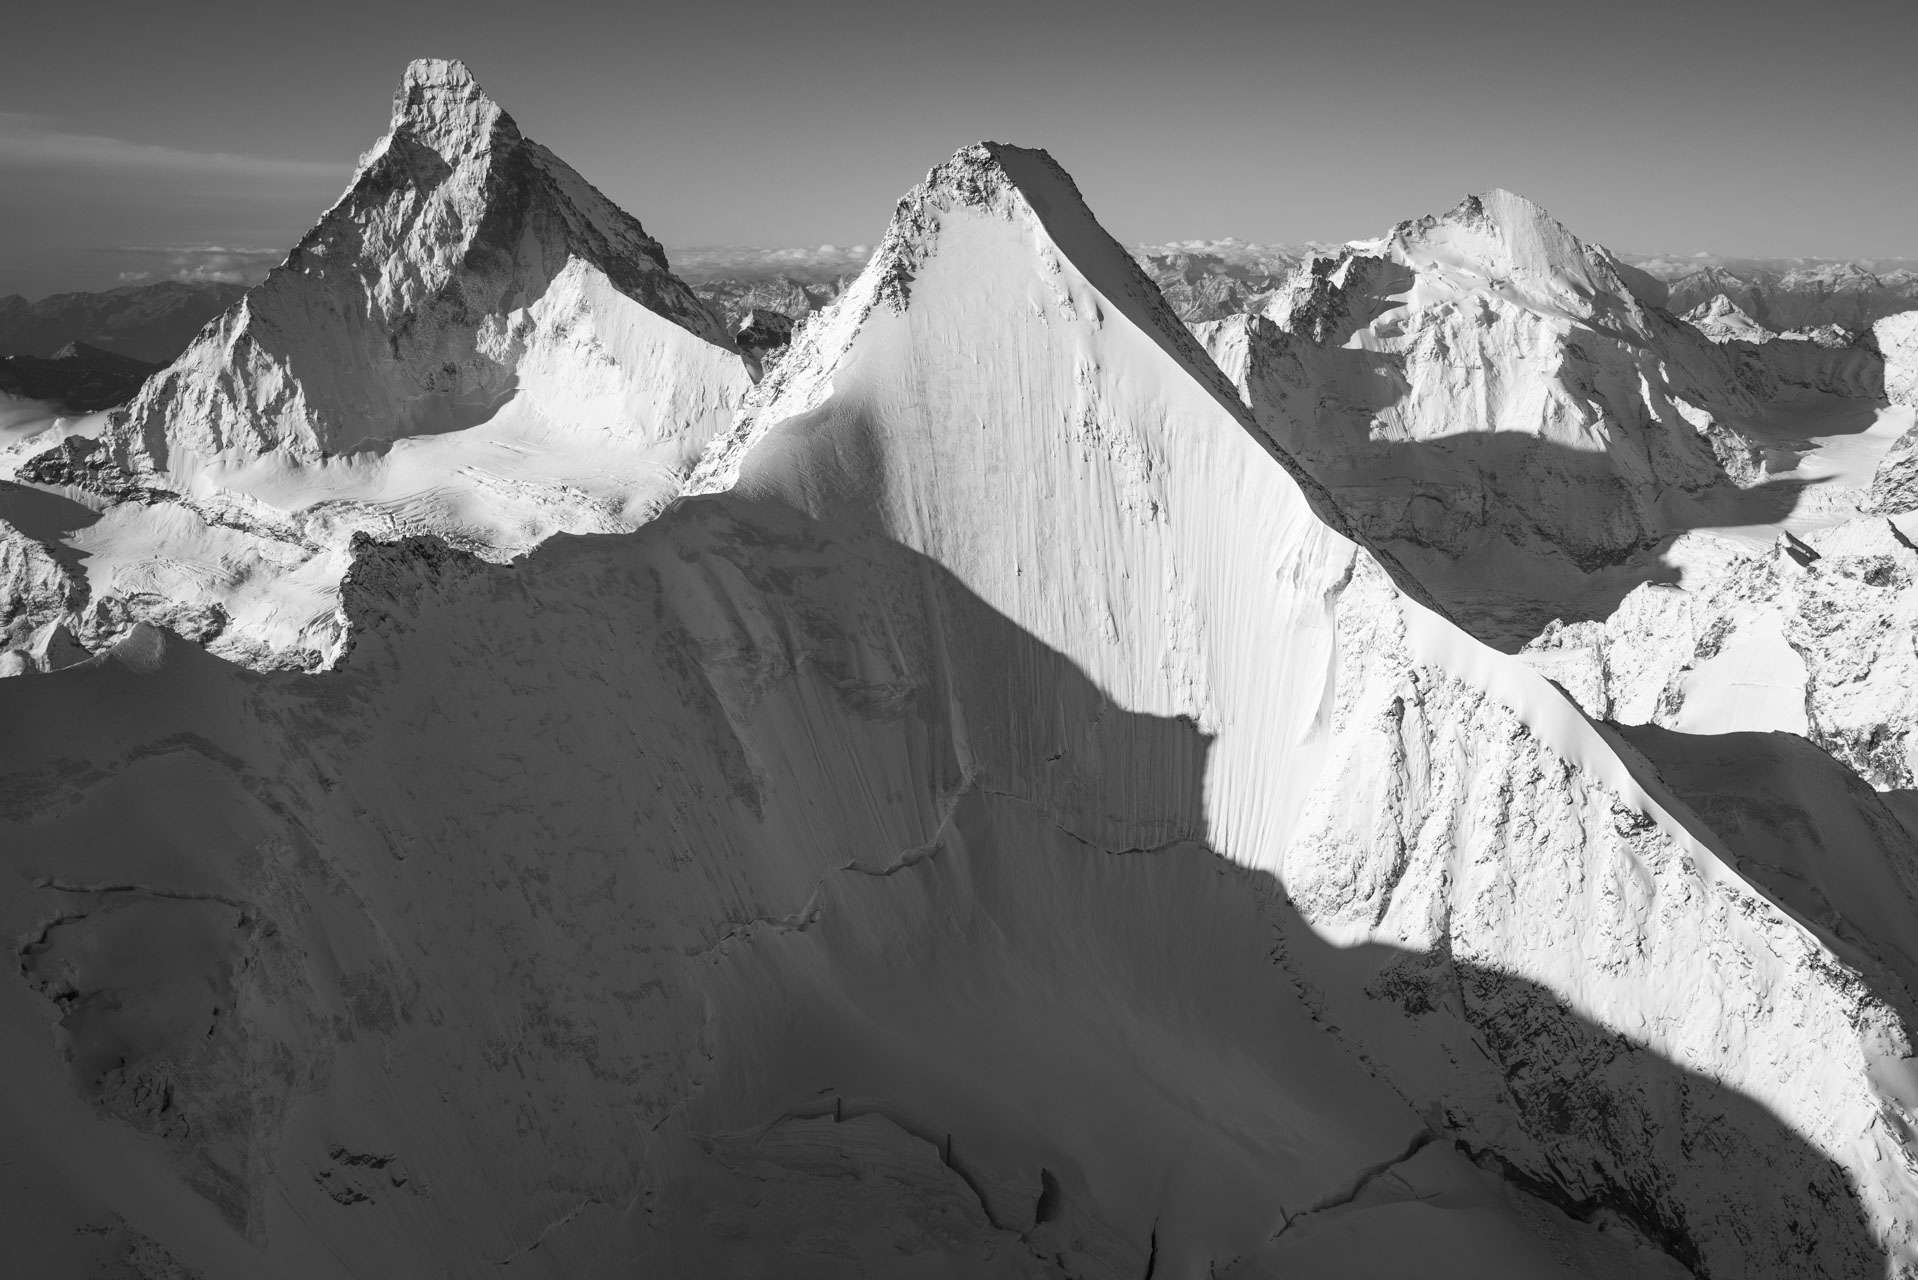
(472, 342)
(994, 797)
(411, 305)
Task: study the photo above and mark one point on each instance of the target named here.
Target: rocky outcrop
(1896, 338)
(1894, 485)
(1818, 637)
(763, 333)
(35, 586)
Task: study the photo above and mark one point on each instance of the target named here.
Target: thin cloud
(699, 263)
(30, 141)
(222, 264)
(1234, 251)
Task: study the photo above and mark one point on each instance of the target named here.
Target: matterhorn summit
(472, 343)
(466, 273)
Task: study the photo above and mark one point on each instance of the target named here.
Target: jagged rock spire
(440, 104)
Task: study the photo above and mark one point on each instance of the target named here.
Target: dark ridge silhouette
(78, 377)
(746, 888)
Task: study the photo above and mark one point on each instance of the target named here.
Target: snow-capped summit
(414, 308)
(473, 342)
(1507, 241)
(1482, 380)
(1722, 320)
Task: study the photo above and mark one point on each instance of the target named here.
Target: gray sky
(174, 139)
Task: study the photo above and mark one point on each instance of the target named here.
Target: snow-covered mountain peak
(472, 343)
(441, 106)
(1513, 243)
(1018, 226)
(1483, 375)
(402, 312)
(1723, 320)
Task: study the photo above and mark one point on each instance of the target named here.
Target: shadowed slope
(795, 909)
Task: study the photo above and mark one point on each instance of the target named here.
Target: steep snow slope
(1483, 383)
(1350, 757)
(993, 825)
(472, 341)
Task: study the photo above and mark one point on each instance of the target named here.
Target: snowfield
(973, 804)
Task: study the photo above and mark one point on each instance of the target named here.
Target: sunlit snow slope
(472, 342)
(991, 825)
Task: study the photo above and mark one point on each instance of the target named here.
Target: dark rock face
(762, 332)
(1894, 485)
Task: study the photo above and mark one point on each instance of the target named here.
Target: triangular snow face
(1004, 393)
(1483, 378)
(472, 343)
(467, 272)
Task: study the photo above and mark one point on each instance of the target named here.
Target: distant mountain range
(79, 376)
(1202, 280)
(151, 322)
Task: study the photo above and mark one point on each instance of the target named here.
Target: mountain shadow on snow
(795, 908)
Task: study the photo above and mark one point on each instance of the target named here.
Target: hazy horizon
(200, 146)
